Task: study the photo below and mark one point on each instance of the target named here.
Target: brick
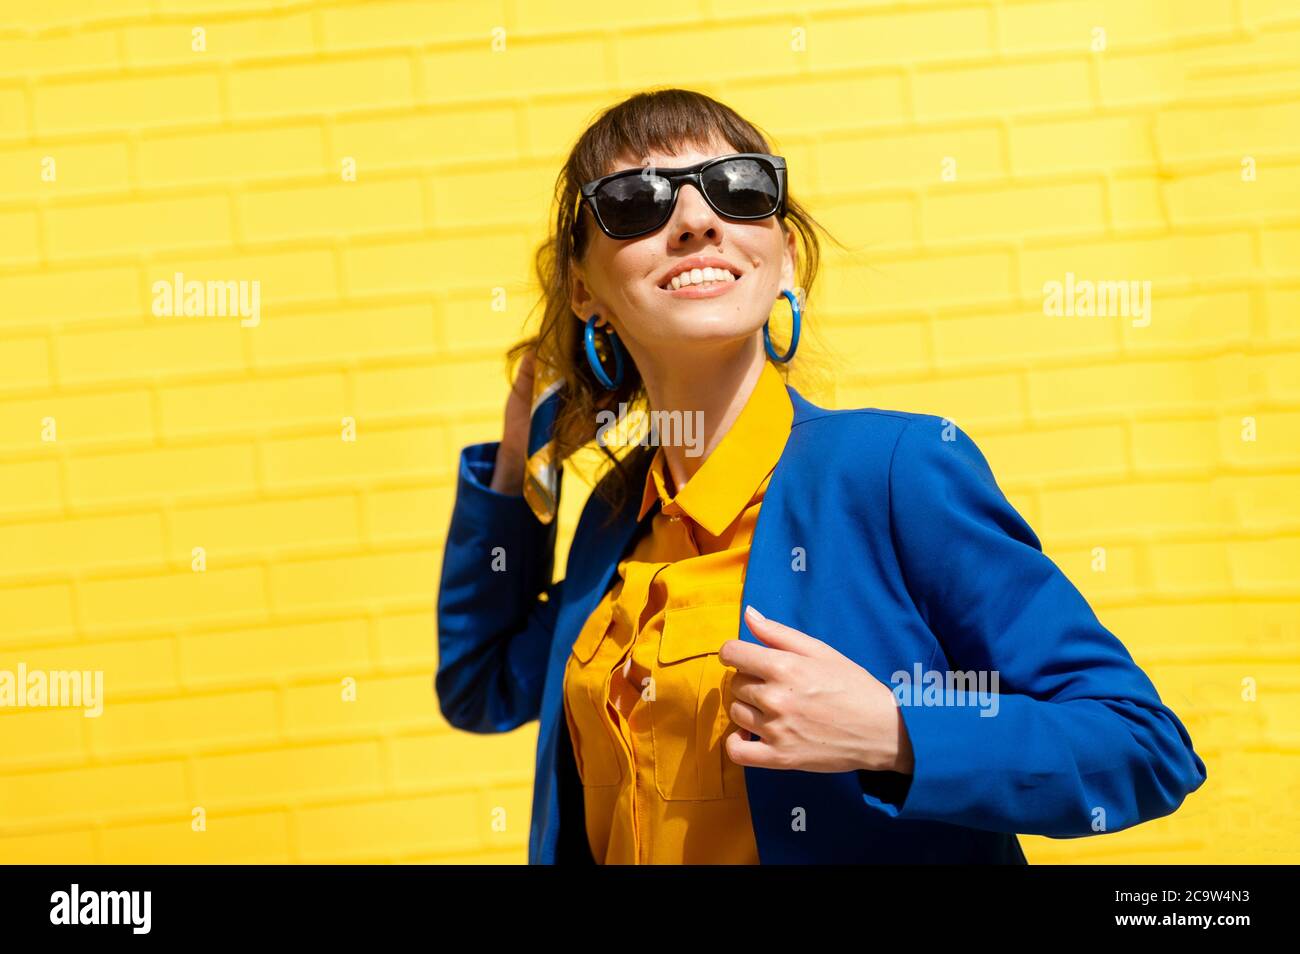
(982, 399)
(117, 227)
(477, 72)
(112, 104)
(43, 737)
(69, 847)
(1100, 388)
(473, 198)
(78, 294)
(14, 123)
(183, 725)
(931, 280)
(419, 514)
(1018, 336)
(916, 158)
(1217, 319)
(1081, 145)
(1159, 261)
(26, 363)
(435, 265)
(381, 704)
(171, 44)
(19, 238)
(440, 135)
(1136, 203)
(883, 346)
(254, 655)
(1114, 508)
(1002, 90)
(228, 838)
(1266, 565)
(1091, 452)
(345, 334)
(837, 41)
(1282, 250)
(112, 417)
(257, 405)
(970, 213)
(241, 154)
(1263, 501)
(1277, 434)
(161, 602)
(408, 639)
(1282, 307)
(411, 23)
(37, 612)
(864, 102)
(1037, 27)
(166, 347)
(354, 208)
(79, 543)
(1221, 196)
(265, 527)
(120, 791)
(49, 54)
(1228, 132)
(130, 666)
(321, 87)
(78, 168)
(353, 582)
(277, 775)
(393, 825)
(328, 459)
(882, 222)
(1194, 568)
(287, 277)
(1186, 445)
(173, 473)
(32, 488)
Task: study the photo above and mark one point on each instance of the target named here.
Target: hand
(813, 708)
(508, 473)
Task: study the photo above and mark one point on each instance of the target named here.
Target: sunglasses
(744, 185)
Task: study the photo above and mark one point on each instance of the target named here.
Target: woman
(922, 682)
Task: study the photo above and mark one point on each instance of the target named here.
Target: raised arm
(494, 627)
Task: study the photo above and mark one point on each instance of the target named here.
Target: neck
(716, 382)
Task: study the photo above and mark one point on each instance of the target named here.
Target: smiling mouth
(701, 278)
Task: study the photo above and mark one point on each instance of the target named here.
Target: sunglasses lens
(743, 188)
(633, 204)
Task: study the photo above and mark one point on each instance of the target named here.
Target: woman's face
(623, 281)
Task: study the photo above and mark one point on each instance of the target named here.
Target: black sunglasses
(632, 202)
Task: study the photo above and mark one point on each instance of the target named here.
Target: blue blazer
(884, 534)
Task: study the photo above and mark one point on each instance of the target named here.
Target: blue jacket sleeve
(1079, 741)
(494, 624)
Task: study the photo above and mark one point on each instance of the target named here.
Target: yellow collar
(720, 490)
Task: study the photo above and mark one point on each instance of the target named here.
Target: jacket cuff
(475, 499)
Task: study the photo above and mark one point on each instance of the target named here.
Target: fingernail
(753, 613)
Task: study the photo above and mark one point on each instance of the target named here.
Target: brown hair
(656, 120)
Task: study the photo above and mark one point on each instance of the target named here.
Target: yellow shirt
(645, 696)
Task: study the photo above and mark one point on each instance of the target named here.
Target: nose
(693, 215)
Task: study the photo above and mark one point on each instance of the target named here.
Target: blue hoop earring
(593, 359)
(794, 331)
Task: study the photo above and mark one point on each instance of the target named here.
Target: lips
(697, 261)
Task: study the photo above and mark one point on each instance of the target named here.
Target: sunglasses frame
(678, 175)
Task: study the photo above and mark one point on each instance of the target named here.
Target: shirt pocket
(688, 715)
(598, 753)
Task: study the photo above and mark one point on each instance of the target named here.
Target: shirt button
(675, 518)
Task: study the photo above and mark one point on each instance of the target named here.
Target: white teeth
(701, 276)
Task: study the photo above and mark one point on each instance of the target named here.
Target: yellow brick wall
(969, 152)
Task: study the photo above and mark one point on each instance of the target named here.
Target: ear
(789, 261)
